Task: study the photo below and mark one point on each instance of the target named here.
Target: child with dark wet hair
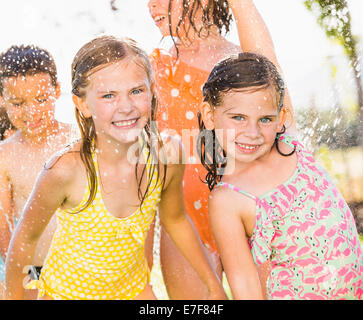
(29, 89)
(270, 200)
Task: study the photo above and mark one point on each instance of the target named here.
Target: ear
(207, 113)
(282, 117)
(82, 106)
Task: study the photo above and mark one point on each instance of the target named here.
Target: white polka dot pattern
(95, 255)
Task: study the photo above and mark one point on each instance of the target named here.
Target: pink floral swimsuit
(307, 231)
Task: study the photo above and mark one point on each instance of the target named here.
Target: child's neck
(194, 43)
(45, 137)
(112, 151)
(235, 167)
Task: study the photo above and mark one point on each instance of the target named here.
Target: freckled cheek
(143, 106)
(15, 115)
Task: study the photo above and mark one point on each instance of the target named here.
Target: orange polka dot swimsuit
(179, 90)
(95, 255)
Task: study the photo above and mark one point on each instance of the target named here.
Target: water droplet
(174, 92)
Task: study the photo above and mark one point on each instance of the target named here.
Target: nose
(151, 4)
(252, 130)
(125, 106)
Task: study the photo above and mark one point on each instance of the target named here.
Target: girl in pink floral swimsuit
(272, 201)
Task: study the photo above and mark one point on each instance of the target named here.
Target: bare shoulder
(9, 148)
(172, 151)
(223, 200)
(68, 132)
(65, 163)
(219, 200)
(172, 155)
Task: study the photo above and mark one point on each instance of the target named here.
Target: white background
(62, 27)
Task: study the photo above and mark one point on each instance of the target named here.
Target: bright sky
(62, 27)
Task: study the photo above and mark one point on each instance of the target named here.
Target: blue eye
(108, 96)
(238, 118)
(136, 91)
(266, 120)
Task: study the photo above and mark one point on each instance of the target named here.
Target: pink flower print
(320, 231)
(346, 252)
(311, 159)
(317, 270)
(349, 276)
(293, 189)
(304, 226)
(338, 241)
(284, 278)
(323, 214)
(302, 251)
(341, 204)
(305, 262)
(332, 232)
(324, 278)
(291, 249)
(359, 293)
(286, 193)
(291, 230)
(343, 271)
(311, 296)
(341, 292)
(327, 204)
(283, 294)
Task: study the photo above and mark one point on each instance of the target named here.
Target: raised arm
(229, 232)
(48, 194)
(183, 233)
(254, 37)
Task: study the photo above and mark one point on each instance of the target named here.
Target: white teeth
(159, 18)
(247, 147)
(124, 123)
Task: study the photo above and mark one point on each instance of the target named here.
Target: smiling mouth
(124, 123)
(247, 147)
(34, 124)
(158, 19)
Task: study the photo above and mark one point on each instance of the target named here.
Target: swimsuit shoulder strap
(234, 188)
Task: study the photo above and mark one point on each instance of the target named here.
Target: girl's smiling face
(118, 98)
(159, 11)
(254, 118)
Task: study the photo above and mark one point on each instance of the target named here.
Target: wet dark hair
(5, 123)
(240, 72)
(26, 60)
(215, 13)
(94, 55)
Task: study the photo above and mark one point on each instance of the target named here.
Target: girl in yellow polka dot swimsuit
(106, 189)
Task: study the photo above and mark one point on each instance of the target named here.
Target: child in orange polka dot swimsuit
(106, 189)
(179, 76)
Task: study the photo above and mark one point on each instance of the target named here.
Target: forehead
(27, 85)
(265, 97)
(126, 72)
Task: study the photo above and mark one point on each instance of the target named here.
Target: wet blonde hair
(95, 54)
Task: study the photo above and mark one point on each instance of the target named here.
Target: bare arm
(229, 232)
(48, 194)
(255, 37)
(183, 233)
(6, 210)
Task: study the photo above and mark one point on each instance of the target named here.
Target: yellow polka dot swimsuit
(95, 255)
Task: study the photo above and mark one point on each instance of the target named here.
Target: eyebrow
(113, 91)
(241, 114)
